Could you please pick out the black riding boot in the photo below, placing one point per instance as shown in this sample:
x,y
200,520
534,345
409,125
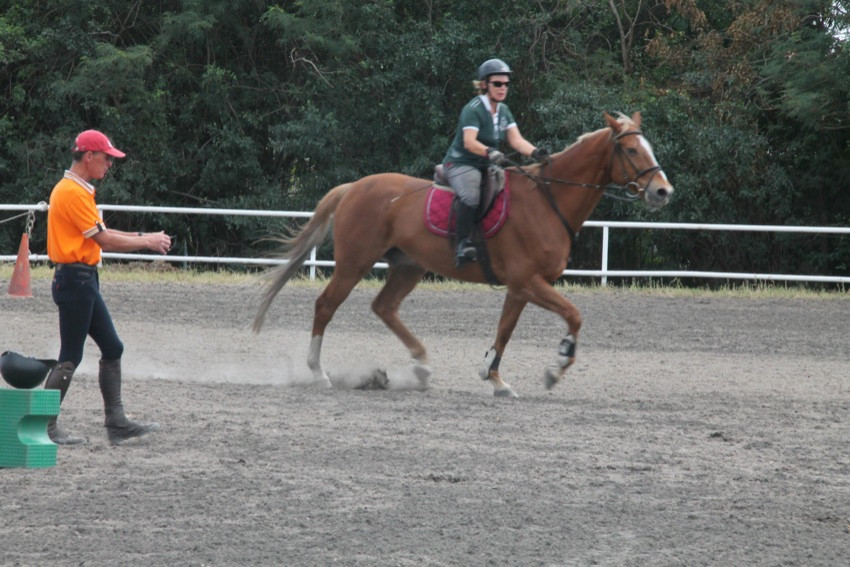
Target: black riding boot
x,y
463,226
60,379
118,427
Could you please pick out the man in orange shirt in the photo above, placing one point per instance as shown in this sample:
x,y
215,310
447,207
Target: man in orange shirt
x,y
75,237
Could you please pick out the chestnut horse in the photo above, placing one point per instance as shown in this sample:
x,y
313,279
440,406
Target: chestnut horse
x,y
381,216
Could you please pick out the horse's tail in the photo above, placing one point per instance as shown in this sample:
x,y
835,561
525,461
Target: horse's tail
x,y
300,245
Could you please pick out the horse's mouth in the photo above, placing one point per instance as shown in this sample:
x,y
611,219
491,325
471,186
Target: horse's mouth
x,y
657,198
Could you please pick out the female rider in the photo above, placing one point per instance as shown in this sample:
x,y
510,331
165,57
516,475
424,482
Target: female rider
x,y
484,122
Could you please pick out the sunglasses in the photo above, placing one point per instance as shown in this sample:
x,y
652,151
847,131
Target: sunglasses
x,y
500,84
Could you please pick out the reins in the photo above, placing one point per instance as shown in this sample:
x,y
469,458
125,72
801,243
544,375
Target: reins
x,y
544,180
544,183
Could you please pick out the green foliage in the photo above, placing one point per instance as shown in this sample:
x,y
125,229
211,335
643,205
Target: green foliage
x,y
256,104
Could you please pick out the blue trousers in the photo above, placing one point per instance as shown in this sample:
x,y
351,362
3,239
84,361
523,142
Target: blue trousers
x,y
82,313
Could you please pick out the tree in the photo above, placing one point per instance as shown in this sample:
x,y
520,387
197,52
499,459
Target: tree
x,y
255,104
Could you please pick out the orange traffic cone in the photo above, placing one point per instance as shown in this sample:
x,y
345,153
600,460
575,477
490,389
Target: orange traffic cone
x,y
20,286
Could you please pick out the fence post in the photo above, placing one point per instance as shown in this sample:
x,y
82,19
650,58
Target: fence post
x,y
605,230
313,264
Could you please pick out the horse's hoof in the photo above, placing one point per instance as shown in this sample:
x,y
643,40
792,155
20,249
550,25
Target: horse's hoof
x,y
551,377
422,372
505,393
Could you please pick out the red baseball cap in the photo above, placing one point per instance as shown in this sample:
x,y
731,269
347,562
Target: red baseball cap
x,y
94,141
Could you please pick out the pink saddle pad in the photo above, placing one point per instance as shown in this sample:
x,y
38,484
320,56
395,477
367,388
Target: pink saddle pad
x,y
438,207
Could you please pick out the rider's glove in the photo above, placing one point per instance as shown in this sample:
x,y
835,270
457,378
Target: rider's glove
x,y
495,156
540,154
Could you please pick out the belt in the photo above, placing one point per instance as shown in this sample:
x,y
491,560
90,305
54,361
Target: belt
x,y
76,266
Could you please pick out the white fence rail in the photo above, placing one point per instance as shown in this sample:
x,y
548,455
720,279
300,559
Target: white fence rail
x,y
603,273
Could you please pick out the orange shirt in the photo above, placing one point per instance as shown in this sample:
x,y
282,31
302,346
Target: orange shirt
x,y
72,220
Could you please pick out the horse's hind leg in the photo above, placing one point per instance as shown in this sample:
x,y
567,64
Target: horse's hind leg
x,y
340,286
401,279
511,310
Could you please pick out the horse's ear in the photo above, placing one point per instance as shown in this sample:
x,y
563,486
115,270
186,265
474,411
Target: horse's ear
x,y
612,122
636,119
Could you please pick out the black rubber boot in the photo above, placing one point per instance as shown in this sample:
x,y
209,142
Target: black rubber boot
x,y
60,379
118,427
465,250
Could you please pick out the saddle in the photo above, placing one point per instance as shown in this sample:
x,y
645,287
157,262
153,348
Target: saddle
x,y
492,210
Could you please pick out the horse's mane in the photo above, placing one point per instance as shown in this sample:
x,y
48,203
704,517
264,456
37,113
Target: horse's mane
x,y
584,137
621,118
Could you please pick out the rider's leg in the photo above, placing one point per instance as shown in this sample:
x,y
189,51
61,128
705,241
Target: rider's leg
x,y
463,227
466,182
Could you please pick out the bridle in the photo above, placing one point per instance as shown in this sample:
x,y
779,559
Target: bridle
x,y
632,188
623,156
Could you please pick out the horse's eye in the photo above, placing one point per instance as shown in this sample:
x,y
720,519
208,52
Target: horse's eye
x,y
632,151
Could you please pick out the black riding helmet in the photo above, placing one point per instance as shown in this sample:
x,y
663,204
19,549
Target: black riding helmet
x,y
22,371
493,67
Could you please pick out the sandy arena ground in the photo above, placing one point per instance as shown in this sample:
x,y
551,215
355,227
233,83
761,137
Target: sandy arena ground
x,y
691,431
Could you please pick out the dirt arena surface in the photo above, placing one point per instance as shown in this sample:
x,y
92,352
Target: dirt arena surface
x,y
691,431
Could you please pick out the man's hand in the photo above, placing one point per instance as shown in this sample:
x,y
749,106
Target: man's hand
x,y
158,242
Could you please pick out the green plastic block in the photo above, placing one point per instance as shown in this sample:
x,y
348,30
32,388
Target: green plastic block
x,y
23,428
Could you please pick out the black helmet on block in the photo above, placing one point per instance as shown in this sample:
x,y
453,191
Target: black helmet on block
x,y
22,371
493,67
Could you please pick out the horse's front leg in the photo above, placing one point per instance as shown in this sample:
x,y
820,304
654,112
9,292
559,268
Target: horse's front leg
x,y
541,292
511,310
563,360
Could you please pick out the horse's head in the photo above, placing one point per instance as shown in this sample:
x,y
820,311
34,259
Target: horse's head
x,y
633,164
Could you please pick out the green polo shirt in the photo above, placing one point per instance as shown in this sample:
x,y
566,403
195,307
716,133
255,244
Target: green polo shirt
x,y
492,128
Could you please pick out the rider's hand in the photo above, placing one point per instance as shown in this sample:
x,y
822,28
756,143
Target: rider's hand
x,y
495,156
540,154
